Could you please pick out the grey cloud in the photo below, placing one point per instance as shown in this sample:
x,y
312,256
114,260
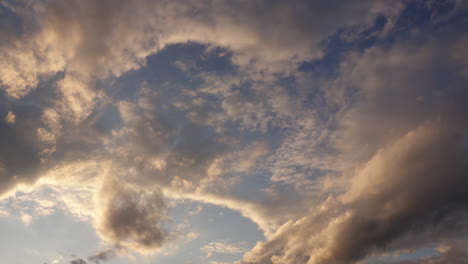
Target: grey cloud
x,y
103,256
38,139
20,152
403,137
131,217
78,261
97,39
415,78
417,183
412,185
95,27
162,149
88,40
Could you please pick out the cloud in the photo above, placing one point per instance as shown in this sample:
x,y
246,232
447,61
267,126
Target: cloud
x,y
48,196
10,118
410,185
451,253
117,37
105,255
18,72
223,247
78,261
191,236
131,217
403,174
78,98
20,153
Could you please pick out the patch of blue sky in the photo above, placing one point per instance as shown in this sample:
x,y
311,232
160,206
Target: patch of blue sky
x,y
173,69
418,15
251,186
210,223
404,256
107,118
218,223
337,46
10,22
54,237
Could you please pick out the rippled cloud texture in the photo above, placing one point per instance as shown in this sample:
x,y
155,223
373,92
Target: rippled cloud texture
x,y
339,128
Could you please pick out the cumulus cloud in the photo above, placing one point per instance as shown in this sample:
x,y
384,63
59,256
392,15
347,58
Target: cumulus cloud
x,y
131,217
406,186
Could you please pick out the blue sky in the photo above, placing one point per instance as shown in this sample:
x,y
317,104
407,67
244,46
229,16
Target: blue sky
x,y
240,132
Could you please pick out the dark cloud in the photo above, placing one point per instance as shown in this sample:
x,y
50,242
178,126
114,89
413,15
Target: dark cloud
x,y
132,217
78,261
103,256
20,151
412,185
416,184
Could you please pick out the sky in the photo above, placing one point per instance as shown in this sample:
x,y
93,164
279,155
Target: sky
x,y
233,132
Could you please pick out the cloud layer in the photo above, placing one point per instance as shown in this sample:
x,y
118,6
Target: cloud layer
x,y
339,128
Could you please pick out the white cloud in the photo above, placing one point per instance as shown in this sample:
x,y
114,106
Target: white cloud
x,y
10,118
223,247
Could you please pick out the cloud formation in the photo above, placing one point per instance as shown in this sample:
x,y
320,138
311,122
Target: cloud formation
x,y
78,261
131,217
411,185
339,128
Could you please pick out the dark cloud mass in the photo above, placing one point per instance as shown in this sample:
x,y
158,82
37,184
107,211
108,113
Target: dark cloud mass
x,y
78,261
103,256
131,217
20,151
339,128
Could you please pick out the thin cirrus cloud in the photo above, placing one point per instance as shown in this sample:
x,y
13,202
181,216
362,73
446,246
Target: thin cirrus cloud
x,y
338,128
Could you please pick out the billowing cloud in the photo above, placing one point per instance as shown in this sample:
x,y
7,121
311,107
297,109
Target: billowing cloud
x,y
131,217
407,186
117,37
